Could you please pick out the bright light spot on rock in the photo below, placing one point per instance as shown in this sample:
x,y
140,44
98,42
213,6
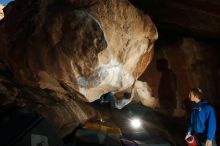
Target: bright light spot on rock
x,y
136,123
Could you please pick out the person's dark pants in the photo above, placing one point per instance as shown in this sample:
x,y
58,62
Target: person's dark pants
x,y
201,139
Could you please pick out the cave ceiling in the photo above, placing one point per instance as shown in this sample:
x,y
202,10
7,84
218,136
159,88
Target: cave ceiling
x,y
197,18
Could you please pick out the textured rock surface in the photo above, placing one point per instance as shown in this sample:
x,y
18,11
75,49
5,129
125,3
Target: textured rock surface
x,y
88,47
62,53
64,115
194,62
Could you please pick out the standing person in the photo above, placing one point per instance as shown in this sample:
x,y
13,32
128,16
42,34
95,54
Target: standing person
x,y
202,122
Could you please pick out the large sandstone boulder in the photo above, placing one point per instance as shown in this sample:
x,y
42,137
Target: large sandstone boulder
x,y
62,53
86,47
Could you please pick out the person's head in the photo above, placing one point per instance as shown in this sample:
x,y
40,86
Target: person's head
x,y
196,94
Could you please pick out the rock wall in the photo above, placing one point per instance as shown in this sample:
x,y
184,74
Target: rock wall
x,y
89,47
194,62
56,54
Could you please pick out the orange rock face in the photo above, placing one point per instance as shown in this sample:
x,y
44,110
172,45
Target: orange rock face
x,y
84,47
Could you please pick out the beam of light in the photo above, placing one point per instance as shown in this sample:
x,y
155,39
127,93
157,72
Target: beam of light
x,y
135,123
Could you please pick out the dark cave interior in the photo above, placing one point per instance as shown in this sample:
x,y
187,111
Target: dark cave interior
x,y
186,54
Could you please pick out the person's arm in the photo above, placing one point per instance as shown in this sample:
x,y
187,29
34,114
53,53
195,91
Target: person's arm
x,y
211,120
